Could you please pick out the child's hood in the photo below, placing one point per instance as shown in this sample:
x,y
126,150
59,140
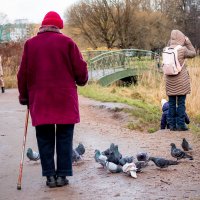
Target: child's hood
x,y
165,106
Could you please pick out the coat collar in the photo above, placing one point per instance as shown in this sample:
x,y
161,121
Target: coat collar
x,y
46,28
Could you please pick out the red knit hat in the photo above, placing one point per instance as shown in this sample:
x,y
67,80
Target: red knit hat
x,y
53,18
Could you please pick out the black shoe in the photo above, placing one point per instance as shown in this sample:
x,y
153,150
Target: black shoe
x,y
51,181
61,181
182,129
3,89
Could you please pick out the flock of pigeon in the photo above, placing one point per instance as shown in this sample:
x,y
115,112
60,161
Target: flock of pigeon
x,y
113,161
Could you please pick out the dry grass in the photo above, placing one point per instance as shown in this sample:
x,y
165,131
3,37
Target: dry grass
x,y
152,87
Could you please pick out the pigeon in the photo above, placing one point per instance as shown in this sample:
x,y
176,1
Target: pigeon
x,y
80,149
130,169
115,150
125,160
114,154
75,156
162,163
142,156
100,158
185,145
112,158
106,152
178,153
140,165
78,152
32,155
113,168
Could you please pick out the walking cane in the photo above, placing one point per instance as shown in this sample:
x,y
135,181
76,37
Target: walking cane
x,y
19,183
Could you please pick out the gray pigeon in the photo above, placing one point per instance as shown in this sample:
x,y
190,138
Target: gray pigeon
x,y
178,153
32,155
114,154
185,145
115,150
75,156
78,152
100,158
112,167
125,160
140,165
142,156
108,151
80,149
163,163
112,158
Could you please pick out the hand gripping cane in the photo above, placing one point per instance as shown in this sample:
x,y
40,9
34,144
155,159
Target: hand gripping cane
x,y
19,183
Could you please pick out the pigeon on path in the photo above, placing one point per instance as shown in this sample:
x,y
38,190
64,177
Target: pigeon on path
x,y
125,160
32,155
142,156
178,153
113,154
113,168
100,158
78,152
162,163
185,145
80,149
109,150
140,165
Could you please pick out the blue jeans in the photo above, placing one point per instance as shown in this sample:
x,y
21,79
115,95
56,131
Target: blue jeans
x,y
47,136
176,117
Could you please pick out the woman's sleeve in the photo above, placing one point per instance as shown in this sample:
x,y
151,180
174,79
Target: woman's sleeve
x,y
79,65
190,50
22,78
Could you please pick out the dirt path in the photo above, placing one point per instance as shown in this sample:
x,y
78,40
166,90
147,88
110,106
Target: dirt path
x,y
98,128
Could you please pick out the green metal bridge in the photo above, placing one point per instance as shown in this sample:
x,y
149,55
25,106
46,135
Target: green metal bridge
x,y
107,67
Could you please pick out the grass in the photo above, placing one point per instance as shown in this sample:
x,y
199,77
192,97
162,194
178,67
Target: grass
x,y
10,81
147,115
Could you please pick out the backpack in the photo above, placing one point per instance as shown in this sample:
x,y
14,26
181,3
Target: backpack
x,y
170,63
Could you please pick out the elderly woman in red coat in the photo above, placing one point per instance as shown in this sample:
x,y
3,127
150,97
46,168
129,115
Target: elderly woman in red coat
x,y
51,68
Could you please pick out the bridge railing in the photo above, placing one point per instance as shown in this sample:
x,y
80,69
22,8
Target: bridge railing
x,y
108,62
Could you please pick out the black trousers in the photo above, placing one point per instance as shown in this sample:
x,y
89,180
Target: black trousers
x,y
61,135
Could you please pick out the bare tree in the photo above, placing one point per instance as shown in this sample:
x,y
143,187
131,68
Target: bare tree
x,y
132,23
92,18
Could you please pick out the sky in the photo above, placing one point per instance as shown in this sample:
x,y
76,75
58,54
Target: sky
x,y
33,10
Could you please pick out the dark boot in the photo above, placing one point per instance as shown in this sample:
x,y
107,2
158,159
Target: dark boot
x,y
51,181
172,128
185,128
3,89
61,181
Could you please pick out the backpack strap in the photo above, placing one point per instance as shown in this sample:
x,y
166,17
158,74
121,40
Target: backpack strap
x,y
177,48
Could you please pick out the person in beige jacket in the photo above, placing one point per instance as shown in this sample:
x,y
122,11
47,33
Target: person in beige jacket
x,y
178,86
1,78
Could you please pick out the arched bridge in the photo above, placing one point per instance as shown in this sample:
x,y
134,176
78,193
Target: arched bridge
x,y
106,67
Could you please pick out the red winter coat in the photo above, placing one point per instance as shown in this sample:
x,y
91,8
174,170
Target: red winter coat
x,y
51,67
